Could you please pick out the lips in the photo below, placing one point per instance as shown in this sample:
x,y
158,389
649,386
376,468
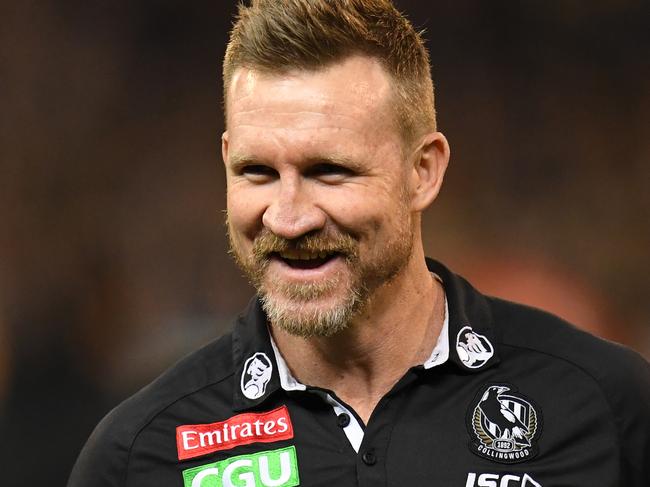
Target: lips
x,y
304,259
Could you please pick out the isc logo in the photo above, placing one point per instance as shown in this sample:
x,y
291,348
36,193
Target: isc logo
x,y
498,480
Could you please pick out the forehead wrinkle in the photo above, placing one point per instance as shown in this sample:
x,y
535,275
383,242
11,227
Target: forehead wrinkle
x,y
300,138
328,109
357,121
280,126
254,111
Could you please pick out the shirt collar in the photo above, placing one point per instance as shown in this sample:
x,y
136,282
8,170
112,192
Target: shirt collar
x,y
440,353
253,382
473,344
467,341
287,381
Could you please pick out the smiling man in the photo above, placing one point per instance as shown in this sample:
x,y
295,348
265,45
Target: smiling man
x,y
317,183
324,202
361,362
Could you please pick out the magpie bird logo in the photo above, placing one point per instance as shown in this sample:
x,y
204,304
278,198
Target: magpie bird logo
x,y
473,349
256,375
504,425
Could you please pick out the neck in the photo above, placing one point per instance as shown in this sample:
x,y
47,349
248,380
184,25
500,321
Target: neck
x,y
397,330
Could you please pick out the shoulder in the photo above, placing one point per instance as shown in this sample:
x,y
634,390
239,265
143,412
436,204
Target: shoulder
x,y
538,332
105,457
599,375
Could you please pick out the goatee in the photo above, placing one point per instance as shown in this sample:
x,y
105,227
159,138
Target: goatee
x,y
287,305
326,307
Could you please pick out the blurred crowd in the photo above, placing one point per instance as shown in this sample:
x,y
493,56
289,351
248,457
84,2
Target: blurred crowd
x,y
113,259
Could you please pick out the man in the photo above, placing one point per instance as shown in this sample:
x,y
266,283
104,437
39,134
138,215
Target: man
x,y
360,362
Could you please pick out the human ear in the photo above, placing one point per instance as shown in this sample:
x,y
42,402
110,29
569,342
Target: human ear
x,y
429,166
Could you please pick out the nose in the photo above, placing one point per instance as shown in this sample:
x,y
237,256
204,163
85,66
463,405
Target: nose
x,y
293,212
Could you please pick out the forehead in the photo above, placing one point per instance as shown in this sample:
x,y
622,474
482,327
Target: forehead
x,y
351,95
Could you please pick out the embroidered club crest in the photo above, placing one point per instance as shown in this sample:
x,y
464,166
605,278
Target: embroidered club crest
x,y
256,375
474,350
503,425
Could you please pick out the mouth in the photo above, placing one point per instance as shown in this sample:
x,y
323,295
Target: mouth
x,y
305,259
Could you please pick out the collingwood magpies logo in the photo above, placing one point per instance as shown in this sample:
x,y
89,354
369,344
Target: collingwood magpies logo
x,y
256,375
503,425
474,350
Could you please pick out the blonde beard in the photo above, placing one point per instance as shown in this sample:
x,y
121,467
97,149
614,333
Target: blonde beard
x,y
288,305
297,313
294,307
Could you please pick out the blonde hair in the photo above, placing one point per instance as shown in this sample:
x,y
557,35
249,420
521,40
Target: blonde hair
x,y
275,36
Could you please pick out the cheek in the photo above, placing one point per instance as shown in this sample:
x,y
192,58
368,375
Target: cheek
x,y
363,214
244,212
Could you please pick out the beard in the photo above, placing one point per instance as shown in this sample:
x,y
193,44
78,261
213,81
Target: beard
x,y
299,308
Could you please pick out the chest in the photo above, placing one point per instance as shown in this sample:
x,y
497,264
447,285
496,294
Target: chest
x,y
491,430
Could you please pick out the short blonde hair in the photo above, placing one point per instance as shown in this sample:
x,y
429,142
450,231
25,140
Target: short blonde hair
x,y
275,36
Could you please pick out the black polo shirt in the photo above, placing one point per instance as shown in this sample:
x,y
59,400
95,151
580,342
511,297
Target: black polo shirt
x,y
523,399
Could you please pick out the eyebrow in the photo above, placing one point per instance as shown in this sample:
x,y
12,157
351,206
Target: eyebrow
x,y
336,160
236,161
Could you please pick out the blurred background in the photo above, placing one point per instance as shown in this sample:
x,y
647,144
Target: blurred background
x,y
113,258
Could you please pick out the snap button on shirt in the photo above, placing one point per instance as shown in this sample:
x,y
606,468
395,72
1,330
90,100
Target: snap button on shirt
x,y
369,457
343,420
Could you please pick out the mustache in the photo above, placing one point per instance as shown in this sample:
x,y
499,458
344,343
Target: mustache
x,y
267,243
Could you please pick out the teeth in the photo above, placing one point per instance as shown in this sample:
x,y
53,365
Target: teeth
x,y
302,255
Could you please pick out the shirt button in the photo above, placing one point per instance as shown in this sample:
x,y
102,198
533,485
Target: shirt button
x,y
369,457
343,420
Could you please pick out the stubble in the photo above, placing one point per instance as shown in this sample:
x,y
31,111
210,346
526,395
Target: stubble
x,y
299,308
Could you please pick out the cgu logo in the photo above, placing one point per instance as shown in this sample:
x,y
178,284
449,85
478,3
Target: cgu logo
x,y
273,468
496,480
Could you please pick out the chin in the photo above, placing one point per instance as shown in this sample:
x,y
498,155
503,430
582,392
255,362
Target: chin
x,y
311,318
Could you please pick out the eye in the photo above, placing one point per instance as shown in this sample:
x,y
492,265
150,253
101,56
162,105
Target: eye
x,y
258,173
329,172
